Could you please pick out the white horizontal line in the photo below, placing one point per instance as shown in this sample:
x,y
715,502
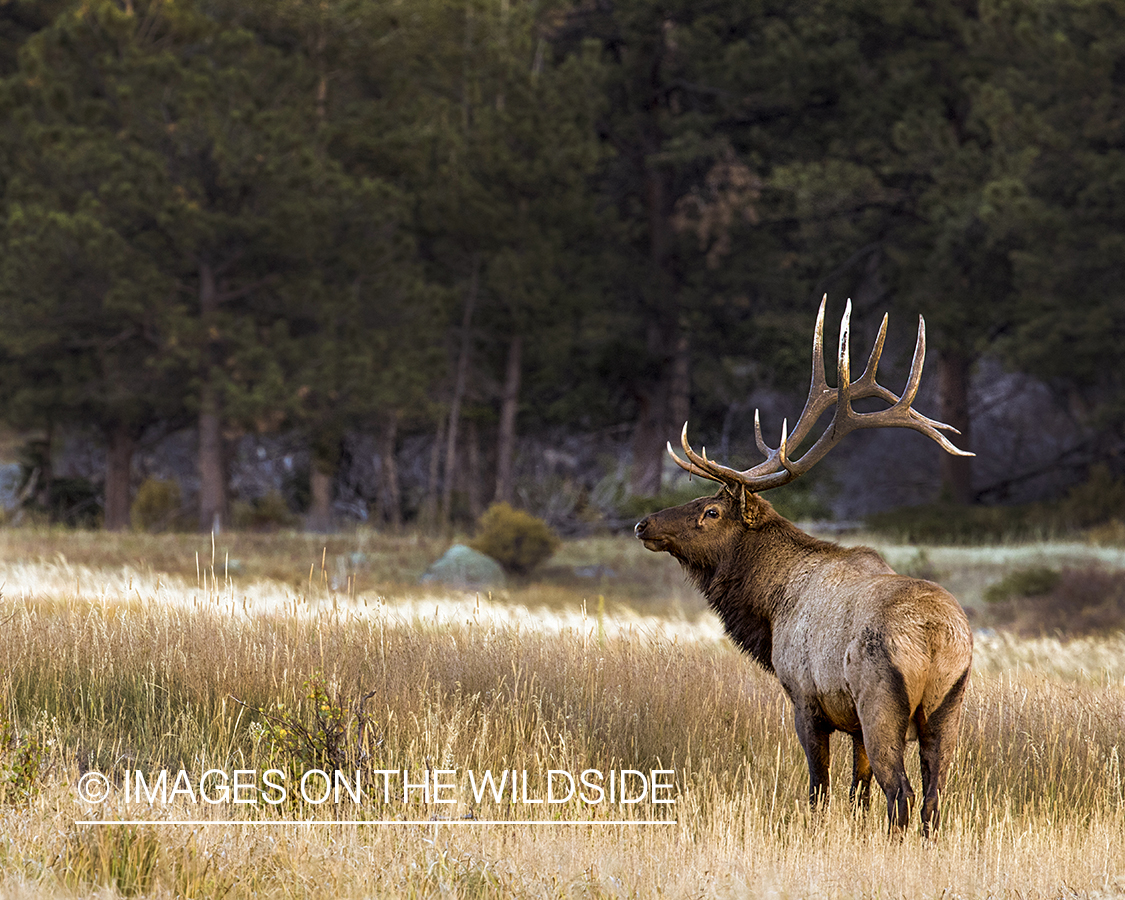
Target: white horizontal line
x,y
194,822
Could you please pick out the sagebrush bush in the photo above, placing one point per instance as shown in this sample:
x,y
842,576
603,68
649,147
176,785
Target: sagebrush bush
x,y
156,506
517,540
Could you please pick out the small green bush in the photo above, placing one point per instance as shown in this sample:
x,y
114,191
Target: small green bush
x,y
1033,582
1096,501
1071,602
21,760
156,506
324,731
267,513
515,539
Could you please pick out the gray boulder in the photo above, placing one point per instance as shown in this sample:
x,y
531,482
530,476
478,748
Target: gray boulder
x,y
464,567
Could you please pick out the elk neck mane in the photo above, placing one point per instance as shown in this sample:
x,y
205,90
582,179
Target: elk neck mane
x,y
750,585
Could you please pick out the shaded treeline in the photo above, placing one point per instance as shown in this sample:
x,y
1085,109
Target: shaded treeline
x,y
484,218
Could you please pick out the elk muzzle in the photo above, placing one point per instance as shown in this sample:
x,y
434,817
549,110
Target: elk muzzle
x,y
644,531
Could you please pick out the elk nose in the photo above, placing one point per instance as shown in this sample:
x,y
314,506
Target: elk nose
x,y
639,528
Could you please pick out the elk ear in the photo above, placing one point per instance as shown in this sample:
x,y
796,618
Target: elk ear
x,y
747,508
750,507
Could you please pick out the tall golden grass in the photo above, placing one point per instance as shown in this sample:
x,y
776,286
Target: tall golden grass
x,y
122,669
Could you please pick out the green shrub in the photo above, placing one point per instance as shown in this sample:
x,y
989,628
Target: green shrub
x,y
21,759
951,523
1033,582
1096,501
515,539
156,506
1071,602
266,513
324,731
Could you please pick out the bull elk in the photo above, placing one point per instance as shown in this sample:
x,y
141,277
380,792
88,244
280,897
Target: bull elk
x,y
858,648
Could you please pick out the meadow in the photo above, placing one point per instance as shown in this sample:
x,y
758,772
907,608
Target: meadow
x,y
122,654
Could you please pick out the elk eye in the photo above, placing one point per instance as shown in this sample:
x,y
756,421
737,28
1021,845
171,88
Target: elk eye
x,y
711,513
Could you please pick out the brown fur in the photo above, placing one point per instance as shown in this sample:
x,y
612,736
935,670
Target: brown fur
x,y
857,648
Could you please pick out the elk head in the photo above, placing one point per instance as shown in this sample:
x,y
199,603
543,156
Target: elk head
x,y
699,533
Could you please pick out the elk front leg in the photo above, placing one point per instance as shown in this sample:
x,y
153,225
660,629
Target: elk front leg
x,y
814,740
860,794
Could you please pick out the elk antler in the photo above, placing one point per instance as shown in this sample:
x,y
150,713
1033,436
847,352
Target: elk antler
x,y
778,468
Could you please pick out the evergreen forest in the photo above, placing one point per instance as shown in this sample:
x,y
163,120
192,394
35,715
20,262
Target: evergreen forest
x,y
450,252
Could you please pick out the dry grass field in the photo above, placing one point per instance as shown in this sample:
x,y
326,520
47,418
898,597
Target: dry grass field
x,y
121,655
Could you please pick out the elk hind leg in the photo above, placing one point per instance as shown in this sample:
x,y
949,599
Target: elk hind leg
x,y
937,738
884,712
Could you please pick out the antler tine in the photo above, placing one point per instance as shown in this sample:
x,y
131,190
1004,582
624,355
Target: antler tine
x,y
915,379
701,465
691,467
821,396
865,385
758,439
783,448
778,468
844,363
818,377
701,462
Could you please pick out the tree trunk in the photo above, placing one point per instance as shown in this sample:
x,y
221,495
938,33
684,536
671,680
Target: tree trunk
x,y
459,393
212,469
654,426
679,399
474,490
649,435
320,503
663,388
428,514
391,494
119,464
506,432
40,489
212,472
954,372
